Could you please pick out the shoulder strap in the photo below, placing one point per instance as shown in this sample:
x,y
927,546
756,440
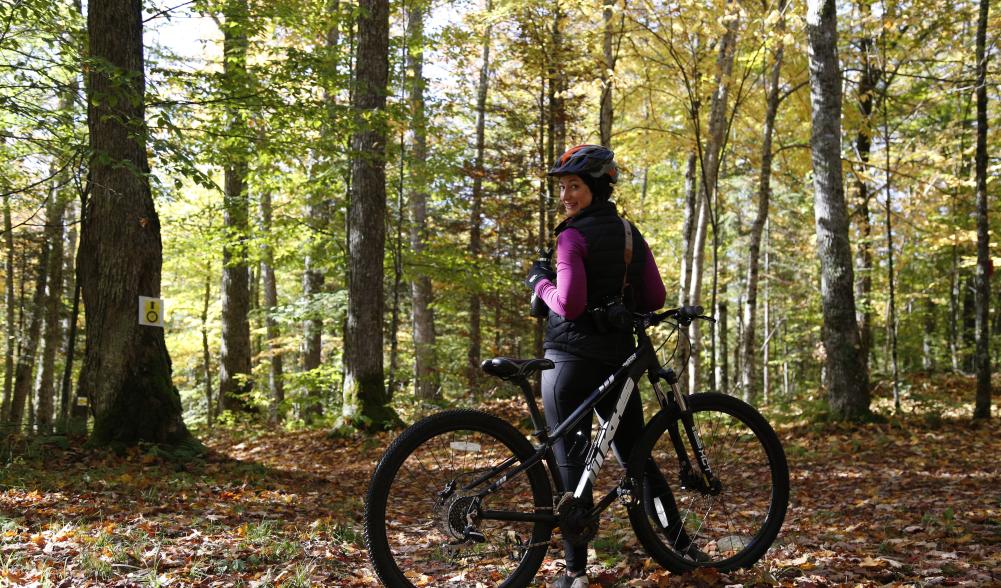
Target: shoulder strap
x,y
628,254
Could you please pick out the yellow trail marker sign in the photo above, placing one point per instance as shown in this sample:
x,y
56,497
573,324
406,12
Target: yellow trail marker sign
x,y
151,311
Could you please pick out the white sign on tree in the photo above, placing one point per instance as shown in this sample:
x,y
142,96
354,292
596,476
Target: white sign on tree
x,y
151,311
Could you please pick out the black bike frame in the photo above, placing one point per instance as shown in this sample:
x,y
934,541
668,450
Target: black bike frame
x,y
643,360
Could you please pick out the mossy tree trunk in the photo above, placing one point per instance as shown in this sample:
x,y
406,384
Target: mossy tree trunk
x,y
366,399
126,370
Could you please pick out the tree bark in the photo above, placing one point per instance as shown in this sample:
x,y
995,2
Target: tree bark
x,y
126,370
425,376
366,399
982,408
891,319
10,326
276,384
475,211
24,380
687,237
710,160
318,211
927,341
722,375
748,343
848,385
234,365
206,354
869,78
607,76
53,335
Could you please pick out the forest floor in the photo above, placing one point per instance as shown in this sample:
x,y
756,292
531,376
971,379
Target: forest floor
x,y
913,501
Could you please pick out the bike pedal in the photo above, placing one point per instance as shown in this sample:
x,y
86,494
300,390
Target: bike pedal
x,y
471,533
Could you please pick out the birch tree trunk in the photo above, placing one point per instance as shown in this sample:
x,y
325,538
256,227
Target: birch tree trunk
x,y
475,210
848,385
982,409
710,159
748,343
691,207
366,399
126,369
234,364
425,377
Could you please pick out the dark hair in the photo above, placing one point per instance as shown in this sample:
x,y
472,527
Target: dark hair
x,y
601,187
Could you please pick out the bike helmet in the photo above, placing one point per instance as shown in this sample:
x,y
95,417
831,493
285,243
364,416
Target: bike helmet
x,y
594,161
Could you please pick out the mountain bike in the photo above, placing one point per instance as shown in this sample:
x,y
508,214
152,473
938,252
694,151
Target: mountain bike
x,y
462,498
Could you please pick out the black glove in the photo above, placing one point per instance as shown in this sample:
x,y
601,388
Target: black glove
x,y
539,270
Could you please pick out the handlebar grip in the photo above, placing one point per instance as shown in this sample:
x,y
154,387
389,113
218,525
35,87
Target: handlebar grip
x,y
691,311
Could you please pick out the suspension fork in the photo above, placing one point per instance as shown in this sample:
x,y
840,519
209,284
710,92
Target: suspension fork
x,y
703,479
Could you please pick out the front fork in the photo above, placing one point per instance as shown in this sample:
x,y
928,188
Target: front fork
x,y
703,480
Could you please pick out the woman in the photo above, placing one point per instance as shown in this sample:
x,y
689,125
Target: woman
x,y
591,271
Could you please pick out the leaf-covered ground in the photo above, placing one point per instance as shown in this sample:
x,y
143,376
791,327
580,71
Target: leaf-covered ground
x,y
914,501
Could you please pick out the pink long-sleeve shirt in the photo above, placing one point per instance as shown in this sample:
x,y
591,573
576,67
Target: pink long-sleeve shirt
x,y
568,297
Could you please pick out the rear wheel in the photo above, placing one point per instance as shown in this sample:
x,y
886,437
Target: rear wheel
x,y
685,523
424,524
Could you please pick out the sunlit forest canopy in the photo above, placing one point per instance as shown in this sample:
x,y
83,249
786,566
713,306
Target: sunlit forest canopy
x,y
252,129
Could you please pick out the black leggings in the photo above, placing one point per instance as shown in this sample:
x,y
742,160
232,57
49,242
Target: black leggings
x,y
563,389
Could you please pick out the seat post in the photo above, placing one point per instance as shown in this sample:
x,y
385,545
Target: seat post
x,y
533,408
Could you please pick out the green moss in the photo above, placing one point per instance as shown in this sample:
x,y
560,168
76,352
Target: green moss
x,y
146,408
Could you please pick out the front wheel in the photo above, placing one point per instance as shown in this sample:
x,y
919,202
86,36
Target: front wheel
x,y
684,521
426,526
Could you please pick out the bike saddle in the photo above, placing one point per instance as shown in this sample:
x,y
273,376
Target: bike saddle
x,y
506,368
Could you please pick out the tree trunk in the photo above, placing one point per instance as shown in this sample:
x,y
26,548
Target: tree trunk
x,y
425,376
607,83
982,409
691,207
748,355
53,337
868,79
234,365
276,384
206,355
720,345
366,400
318,214
954,292
24,379
891,319
927,341
848,386
969,321
72,414
10,326
710,160
126,369
475,211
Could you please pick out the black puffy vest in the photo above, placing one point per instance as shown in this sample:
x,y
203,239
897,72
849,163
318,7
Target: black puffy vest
x,y
605,236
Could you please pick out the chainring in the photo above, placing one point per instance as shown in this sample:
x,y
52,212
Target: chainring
x,y
576,526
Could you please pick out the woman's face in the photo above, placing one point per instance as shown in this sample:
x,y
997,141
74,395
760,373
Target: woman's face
x,y
574,194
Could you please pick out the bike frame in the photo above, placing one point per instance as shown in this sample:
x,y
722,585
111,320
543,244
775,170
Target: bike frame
x,y
643,360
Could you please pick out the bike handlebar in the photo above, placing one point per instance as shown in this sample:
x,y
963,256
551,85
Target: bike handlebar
x,y
684,315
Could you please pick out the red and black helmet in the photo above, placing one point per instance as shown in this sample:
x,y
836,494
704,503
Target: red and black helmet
x,y
592,160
